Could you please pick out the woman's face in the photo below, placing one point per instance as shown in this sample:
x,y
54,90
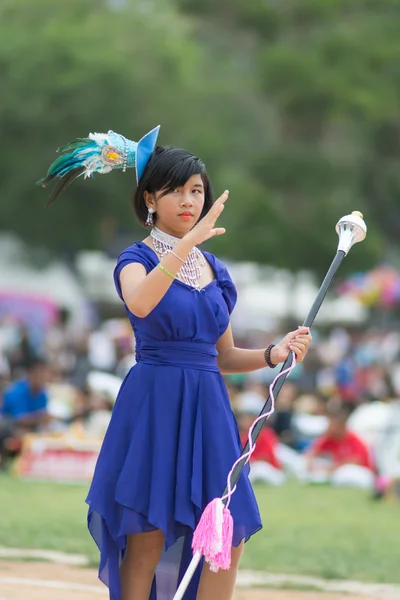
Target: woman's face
x,y
179,210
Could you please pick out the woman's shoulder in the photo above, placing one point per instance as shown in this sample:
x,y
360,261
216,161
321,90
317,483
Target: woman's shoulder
x,y
224,280
138,250
137,246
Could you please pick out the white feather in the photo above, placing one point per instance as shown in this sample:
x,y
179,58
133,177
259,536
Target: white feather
x,y
95,165
99,138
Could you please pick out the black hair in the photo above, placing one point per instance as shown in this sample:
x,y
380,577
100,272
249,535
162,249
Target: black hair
x,y
32,362
167,169
340,412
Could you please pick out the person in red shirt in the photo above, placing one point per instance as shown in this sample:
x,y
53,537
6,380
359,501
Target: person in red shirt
x,y
264,463
339,455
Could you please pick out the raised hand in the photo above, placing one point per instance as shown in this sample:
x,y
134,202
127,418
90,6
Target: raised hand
x,y
295,341
205,228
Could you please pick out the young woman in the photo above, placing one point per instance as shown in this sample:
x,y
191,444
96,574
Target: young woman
x,y
172,438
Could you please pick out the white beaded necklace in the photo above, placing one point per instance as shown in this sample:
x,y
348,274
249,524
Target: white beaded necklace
x,y
189,272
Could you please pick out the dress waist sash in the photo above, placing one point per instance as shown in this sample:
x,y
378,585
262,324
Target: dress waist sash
x,y
189,355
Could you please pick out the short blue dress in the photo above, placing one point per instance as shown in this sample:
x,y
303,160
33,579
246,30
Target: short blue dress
x,y
173,438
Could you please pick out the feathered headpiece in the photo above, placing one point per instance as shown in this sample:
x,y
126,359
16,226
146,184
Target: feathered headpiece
x,y
99,153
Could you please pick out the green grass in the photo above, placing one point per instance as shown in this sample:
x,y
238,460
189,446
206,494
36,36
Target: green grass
x,y
318,531
325,532
45,516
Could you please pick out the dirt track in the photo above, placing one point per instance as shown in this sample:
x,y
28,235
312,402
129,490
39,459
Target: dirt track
x,y
46,581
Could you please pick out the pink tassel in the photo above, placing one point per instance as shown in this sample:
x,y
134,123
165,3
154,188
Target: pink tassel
x,y
223,559
207,537
213,535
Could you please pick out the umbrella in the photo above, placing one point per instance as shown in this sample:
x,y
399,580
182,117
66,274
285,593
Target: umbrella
x,y
380,286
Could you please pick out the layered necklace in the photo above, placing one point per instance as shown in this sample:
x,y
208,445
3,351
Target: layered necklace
x,y
190,271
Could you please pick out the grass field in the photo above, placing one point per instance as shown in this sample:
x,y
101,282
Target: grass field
x,y
329,533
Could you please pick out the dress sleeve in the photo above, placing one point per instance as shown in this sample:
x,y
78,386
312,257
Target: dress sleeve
x,y
226,284
133,254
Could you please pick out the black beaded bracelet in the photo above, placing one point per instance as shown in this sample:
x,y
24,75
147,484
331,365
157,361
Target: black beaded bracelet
x,y
267,356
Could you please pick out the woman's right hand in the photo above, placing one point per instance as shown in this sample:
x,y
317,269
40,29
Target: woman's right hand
x,y
204,229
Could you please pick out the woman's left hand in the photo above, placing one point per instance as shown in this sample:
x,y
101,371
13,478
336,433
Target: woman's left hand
x,y
296,341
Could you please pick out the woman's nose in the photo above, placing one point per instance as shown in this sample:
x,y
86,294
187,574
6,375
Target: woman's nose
x,y
186,199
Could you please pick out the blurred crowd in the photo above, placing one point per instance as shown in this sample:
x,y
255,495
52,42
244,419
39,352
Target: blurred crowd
x,y
337,419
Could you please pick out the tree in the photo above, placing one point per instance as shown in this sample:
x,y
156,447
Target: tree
x,y
293,105
69,68
328,77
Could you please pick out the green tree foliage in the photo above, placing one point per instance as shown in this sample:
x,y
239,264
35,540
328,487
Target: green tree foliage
x,y
68,68
329,78
293,105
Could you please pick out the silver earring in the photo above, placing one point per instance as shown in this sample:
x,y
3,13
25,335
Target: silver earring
x,y
150,220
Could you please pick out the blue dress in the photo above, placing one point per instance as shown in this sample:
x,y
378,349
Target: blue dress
x,y
173,438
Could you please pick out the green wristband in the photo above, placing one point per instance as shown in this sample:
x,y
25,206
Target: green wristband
x,y
166,271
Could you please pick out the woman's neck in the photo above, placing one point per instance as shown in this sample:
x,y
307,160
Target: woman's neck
x,y
175,236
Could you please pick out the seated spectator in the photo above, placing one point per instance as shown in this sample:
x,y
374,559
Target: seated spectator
x,y
282,419
25,401
22,352
309,420
264,463
23,409
340,456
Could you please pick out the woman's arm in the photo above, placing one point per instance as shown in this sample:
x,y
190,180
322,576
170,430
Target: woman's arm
x,y
239,360
142,292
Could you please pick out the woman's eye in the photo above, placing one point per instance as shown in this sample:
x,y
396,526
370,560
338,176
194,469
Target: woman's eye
x,y
196,191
